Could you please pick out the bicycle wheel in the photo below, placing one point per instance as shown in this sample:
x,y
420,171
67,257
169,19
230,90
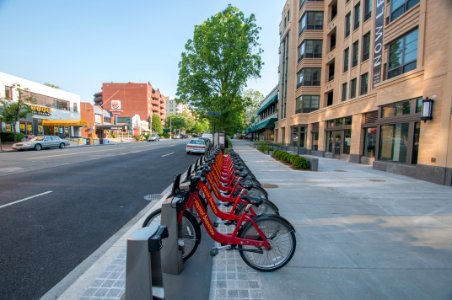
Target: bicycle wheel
x,y
281,236
267,207
189,234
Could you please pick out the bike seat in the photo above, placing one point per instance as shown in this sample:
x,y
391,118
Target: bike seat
x,y
254,200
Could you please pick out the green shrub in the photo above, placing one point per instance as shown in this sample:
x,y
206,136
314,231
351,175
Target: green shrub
x,y
300,163
9,136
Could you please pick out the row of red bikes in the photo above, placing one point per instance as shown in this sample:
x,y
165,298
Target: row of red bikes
x,y
223,188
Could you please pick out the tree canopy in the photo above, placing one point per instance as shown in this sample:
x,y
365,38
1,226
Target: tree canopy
x,y
157,124
216,64
12,111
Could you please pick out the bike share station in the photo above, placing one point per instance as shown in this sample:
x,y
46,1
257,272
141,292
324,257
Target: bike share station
x,y
154,256
265,240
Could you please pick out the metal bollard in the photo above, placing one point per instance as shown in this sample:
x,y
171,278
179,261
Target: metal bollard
x,y
144,278
172,252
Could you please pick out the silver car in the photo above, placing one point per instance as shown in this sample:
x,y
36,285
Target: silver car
x,y
196,146
42,142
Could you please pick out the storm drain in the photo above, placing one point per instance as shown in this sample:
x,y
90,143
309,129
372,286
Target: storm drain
x,y
152,197
269,186
377,180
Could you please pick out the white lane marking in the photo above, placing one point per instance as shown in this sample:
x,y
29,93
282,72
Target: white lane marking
x,y
168,154
25,199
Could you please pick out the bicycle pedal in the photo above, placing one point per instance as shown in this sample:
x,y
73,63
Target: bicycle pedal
x,y
215,224
213,252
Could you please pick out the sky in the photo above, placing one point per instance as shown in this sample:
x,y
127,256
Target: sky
x,y
79,44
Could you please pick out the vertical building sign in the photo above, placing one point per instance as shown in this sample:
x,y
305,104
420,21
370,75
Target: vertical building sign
x,y
378,41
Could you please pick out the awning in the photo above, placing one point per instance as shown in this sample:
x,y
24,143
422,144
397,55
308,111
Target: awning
x,y
77,123
267,105
268,123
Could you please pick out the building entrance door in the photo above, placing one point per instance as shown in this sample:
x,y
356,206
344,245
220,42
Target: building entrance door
x,y
337,143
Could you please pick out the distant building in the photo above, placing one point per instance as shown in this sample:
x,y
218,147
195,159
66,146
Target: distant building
x,y
128,99
55,112
266,116
171,106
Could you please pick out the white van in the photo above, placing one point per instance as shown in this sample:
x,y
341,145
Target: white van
x,y
208,135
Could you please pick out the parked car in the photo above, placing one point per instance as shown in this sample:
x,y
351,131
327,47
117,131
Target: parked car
x,y
154,137
42,142
177,136
196,146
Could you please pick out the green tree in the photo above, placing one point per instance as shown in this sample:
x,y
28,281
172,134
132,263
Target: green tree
x,y
175,122
12,111
157,124
223,54
253,100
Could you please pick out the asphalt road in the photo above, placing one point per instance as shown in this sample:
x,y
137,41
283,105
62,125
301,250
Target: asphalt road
x,y
82,197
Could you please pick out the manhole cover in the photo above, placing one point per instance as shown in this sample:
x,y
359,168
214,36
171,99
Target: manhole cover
x,y
340,171
152,197
269,186
377,180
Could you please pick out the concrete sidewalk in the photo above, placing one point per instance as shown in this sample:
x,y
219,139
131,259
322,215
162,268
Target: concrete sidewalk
x,y
361,234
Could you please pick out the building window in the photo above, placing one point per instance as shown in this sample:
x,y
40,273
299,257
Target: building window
x,y
329,98
403,54
356,16
367,9
308,77
364,84
397,109
346,58
294,136
8,93
355,48
310,49
394,142
333,10
347,24
311,20
370,141
307,103
347,141
331,67
353,88
399,7
366,46
315,137
75,107
344,91
332,39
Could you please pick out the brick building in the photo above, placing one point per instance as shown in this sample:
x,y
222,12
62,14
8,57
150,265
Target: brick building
x,y
356,77
136,98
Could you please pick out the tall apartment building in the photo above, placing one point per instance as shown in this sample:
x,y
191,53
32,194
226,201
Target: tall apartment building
x,y
135,98
357,80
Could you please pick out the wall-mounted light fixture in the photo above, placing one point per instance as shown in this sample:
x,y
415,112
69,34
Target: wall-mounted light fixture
x,y
427,108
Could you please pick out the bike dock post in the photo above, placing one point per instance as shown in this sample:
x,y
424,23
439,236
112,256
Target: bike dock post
x,y
144,278
172,252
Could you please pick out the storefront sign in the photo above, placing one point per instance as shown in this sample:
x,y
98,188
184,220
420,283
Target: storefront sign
x,y
115,105
378,41
41,110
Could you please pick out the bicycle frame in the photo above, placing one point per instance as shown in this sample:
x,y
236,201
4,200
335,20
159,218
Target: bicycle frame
x,y
226,239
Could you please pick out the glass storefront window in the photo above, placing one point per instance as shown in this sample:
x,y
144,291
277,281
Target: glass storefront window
x,y
329,141
417,133
347,141
370,142
394,142
302,136
397,109
294,136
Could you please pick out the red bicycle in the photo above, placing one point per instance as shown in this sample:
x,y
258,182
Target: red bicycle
x,y
265,242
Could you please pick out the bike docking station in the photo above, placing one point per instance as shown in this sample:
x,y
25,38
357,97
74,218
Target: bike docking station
x,y
144,278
